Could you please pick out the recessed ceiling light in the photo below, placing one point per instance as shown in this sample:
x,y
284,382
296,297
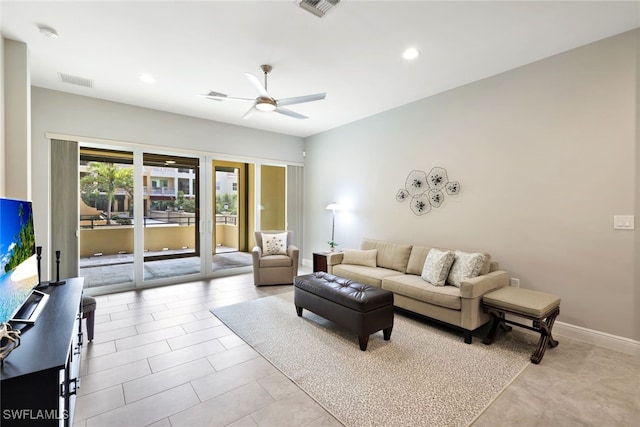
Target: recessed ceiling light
x,y
411,53
147,78
48,32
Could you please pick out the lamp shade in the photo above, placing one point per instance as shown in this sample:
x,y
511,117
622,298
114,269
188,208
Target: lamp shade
x,y
333,206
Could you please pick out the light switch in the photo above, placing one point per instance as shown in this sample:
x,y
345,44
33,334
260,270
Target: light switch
x,y
623,222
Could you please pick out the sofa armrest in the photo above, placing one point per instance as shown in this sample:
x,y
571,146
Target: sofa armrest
x,y
478,286
334,258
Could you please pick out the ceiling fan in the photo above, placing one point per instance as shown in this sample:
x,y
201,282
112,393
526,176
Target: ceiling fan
x,y
264,101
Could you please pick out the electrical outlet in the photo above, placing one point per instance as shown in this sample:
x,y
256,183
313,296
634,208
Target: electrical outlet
x,y
515,282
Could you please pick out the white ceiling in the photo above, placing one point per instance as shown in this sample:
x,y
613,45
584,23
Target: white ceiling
x,y
353,53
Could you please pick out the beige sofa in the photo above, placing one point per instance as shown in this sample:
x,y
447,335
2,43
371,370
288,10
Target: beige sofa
x,y
398,268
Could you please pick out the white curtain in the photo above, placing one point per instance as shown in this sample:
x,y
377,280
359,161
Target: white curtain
x,y
64,207
295,204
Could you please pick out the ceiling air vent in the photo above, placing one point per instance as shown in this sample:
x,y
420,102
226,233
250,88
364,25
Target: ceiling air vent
x,y
318,7
75,80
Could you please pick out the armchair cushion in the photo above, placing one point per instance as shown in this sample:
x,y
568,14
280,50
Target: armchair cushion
x,y
274,243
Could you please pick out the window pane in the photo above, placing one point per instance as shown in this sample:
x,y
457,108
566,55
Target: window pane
x,y
171,216
106,217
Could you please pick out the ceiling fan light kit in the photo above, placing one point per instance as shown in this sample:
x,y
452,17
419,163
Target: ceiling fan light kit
x,y
265,102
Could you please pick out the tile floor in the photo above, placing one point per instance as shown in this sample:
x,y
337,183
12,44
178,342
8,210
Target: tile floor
x,y
108,270
160,358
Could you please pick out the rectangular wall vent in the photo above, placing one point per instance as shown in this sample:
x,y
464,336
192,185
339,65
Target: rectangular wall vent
x,y
318,7
75,80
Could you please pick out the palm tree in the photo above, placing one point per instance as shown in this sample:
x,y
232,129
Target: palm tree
x,y
107,178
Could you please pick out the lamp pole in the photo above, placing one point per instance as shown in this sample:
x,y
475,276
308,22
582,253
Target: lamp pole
x,y
333,206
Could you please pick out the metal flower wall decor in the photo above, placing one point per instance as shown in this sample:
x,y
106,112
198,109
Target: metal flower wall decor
x,y
425,190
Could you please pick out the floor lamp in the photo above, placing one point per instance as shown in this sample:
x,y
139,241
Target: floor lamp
x,y
333,206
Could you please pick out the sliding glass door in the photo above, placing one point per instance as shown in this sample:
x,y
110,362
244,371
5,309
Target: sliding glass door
x,y
142,221
106,217
171,216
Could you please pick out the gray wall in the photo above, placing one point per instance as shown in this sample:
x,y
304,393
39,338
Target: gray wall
x,y
545,154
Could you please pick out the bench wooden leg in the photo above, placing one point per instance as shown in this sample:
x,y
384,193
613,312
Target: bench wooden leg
x,y
496,320
299,311
546,339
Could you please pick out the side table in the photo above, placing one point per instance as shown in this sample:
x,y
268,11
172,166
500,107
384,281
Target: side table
x,y
320,261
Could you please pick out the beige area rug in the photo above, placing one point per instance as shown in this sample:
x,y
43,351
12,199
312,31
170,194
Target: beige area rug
x,y
423,376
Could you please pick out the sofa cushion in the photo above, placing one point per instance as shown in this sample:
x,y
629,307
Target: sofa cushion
x,y
371,276
394,256
465,266
416,259
360,257
414,287
436,266
274,243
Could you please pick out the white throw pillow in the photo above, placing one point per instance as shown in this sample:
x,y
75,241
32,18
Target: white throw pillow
x,y
274,243
360,257
436,266
465,266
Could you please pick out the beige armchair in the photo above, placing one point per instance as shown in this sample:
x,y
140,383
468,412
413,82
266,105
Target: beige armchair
x,y
275,260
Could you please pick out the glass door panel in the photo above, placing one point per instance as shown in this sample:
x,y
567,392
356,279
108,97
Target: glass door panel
x,y
229,236
106,217
171,216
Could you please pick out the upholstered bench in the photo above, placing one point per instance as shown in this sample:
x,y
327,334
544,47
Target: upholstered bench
x,y
359,308
540,307
89,312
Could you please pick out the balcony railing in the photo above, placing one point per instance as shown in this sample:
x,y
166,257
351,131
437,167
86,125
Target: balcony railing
x,y
227,219
156,218
163,191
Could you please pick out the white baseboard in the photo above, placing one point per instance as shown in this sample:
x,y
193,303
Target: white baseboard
x,y
602,339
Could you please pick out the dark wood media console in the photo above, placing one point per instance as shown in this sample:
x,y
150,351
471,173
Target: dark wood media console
x,y
39,379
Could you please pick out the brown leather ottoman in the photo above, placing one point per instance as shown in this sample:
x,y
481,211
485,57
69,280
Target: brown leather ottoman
x,y
359,308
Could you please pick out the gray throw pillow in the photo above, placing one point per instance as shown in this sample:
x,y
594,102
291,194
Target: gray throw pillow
x,y
436,266
465,266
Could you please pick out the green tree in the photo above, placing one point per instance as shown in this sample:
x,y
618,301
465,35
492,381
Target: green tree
x,y
231,202
25,244
107,178
179,202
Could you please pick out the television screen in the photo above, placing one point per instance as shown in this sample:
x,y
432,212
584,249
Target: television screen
x,y
18,259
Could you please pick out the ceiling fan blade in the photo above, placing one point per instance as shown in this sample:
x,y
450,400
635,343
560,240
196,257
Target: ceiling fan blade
x,y
290,113
301,99
257,84
216,96
250,112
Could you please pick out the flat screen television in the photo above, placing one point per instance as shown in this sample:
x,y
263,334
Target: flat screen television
x,y
18,261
